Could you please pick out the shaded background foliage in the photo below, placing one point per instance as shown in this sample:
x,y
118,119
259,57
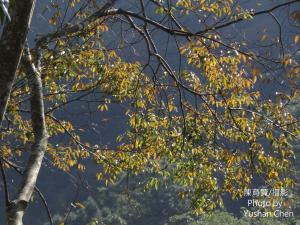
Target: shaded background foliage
x,y
118,205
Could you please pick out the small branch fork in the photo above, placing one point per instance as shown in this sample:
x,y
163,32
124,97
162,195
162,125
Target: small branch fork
x,y
36,189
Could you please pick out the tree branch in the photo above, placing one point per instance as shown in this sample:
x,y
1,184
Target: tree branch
x,y
18,206
108,11
4,184
104,11
267,11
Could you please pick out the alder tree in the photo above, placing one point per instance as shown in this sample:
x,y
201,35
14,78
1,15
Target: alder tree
x,y
206,93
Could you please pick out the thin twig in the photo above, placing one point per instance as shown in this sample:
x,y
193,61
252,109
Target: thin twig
x,y
4,184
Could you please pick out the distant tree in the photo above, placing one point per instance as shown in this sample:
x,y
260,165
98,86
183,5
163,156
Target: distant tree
x,y
207,121
116,205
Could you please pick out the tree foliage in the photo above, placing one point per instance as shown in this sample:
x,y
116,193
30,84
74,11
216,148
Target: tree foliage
x,y
207,122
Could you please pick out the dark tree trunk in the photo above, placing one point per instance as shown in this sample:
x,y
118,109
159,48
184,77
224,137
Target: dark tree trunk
x,y
11,48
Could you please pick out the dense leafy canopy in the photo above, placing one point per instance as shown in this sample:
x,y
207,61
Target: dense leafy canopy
x,y
209,125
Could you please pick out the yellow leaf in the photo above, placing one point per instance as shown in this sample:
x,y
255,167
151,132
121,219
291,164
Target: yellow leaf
x,y
264,37
255,72
296,39
79,205
273,174
103,107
